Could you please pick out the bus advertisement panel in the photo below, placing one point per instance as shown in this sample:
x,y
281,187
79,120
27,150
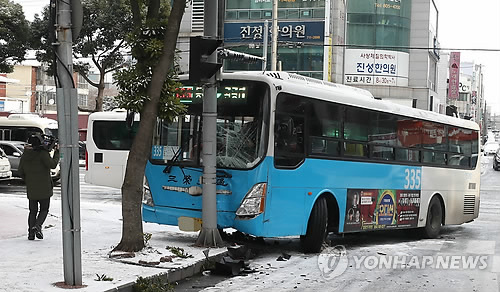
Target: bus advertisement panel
x,y
381,209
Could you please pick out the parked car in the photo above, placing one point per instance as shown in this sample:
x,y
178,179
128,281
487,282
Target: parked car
x,y
491,148
496,160
14,150
5,172
81,150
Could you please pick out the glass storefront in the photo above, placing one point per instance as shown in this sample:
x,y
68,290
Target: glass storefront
x,y
384,24
262,9
307,61
300,40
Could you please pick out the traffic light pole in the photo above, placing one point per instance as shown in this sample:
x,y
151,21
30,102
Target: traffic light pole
x,y
209,235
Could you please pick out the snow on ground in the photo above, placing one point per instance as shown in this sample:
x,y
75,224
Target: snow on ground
x,y
37,265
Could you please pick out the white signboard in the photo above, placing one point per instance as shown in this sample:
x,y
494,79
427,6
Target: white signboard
x,y
465,84
376,67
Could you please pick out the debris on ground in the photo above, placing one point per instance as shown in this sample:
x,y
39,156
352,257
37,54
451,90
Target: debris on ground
x,y
234,263
283,257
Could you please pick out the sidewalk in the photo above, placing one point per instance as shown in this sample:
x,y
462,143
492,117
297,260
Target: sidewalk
x,y
37,265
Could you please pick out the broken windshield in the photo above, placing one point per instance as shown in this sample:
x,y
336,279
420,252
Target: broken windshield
x,y
241,127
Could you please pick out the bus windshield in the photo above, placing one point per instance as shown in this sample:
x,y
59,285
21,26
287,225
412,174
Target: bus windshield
x,y
52,132
241,127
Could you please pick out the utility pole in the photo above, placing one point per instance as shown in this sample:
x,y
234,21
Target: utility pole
x,y
67,112
209,235
274,41
266,43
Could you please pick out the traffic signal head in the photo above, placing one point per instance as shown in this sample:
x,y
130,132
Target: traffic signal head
x,y
200,69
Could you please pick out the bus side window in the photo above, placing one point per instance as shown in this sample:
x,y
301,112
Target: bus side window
x,y
355,149
289,140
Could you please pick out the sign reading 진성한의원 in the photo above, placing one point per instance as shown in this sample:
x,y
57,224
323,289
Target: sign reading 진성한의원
x,y
376,67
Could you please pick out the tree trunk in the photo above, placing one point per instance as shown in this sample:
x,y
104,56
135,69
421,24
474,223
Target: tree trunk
x,y
100,92
132,232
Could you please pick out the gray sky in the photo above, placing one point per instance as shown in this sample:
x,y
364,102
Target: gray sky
x,y
474,24
31,7
463,24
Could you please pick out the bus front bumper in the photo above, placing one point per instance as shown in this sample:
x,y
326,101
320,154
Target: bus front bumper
x,y
255,226
170,216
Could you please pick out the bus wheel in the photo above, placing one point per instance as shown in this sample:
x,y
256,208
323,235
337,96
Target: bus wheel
x,y
316,228
434,219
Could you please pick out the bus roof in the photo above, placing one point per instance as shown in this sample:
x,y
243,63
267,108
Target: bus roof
x,y
343,94
28,120
111,115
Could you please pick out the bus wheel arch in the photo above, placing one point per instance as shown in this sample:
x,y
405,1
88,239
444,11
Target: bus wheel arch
x,y
333,212
317,225
435,217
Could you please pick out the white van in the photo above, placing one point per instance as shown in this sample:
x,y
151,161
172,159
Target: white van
x,y
5,172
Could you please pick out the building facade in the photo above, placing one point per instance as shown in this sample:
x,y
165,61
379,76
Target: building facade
x,y
363,43
20,93
32,90
402,67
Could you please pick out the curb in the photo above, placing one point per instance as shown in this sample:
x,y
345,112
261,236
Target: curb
x,y
173,275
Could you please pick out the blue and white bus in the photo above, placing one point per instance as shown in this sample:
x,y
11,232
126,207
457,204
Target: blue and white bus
x,y
302,157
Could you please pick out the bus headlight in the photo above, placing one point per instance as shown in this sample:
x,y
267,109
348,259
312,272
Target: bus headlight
x,y
147,197
253,203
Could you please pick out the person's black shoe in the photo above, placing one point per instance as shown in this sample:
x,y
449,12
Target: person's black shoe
x,y
38,232
31,236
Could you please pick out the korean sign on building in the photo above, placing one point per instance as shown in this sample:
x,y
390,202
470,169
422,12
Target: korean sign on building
x,y
292,31
454,79
376,67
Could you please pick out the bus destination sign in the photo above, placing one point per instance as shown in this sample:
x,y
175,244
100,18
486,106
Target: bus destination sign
x,y
194,94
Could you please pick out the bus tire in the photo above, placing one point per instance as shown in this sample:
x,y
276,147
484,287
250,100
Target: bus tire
x,y
316,232
434,219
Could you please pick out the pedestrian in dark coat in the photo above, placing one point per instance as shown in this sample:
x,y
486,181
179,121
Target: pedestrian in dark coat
x,y
34,168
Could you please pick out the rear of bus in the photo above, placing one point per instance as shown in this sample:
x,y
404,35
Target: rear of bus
x,y
19,127
108,143
173,190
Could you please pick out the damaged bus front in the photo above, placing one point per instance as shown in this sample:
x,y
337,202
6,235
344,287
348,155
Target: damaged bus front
x,y
173,186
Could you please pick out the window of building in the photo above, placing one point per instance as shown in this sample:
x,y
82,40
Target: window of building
x,y
243,14
82,100
255,14
82,83
304,60
292,14
463,96
231,15
372,24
